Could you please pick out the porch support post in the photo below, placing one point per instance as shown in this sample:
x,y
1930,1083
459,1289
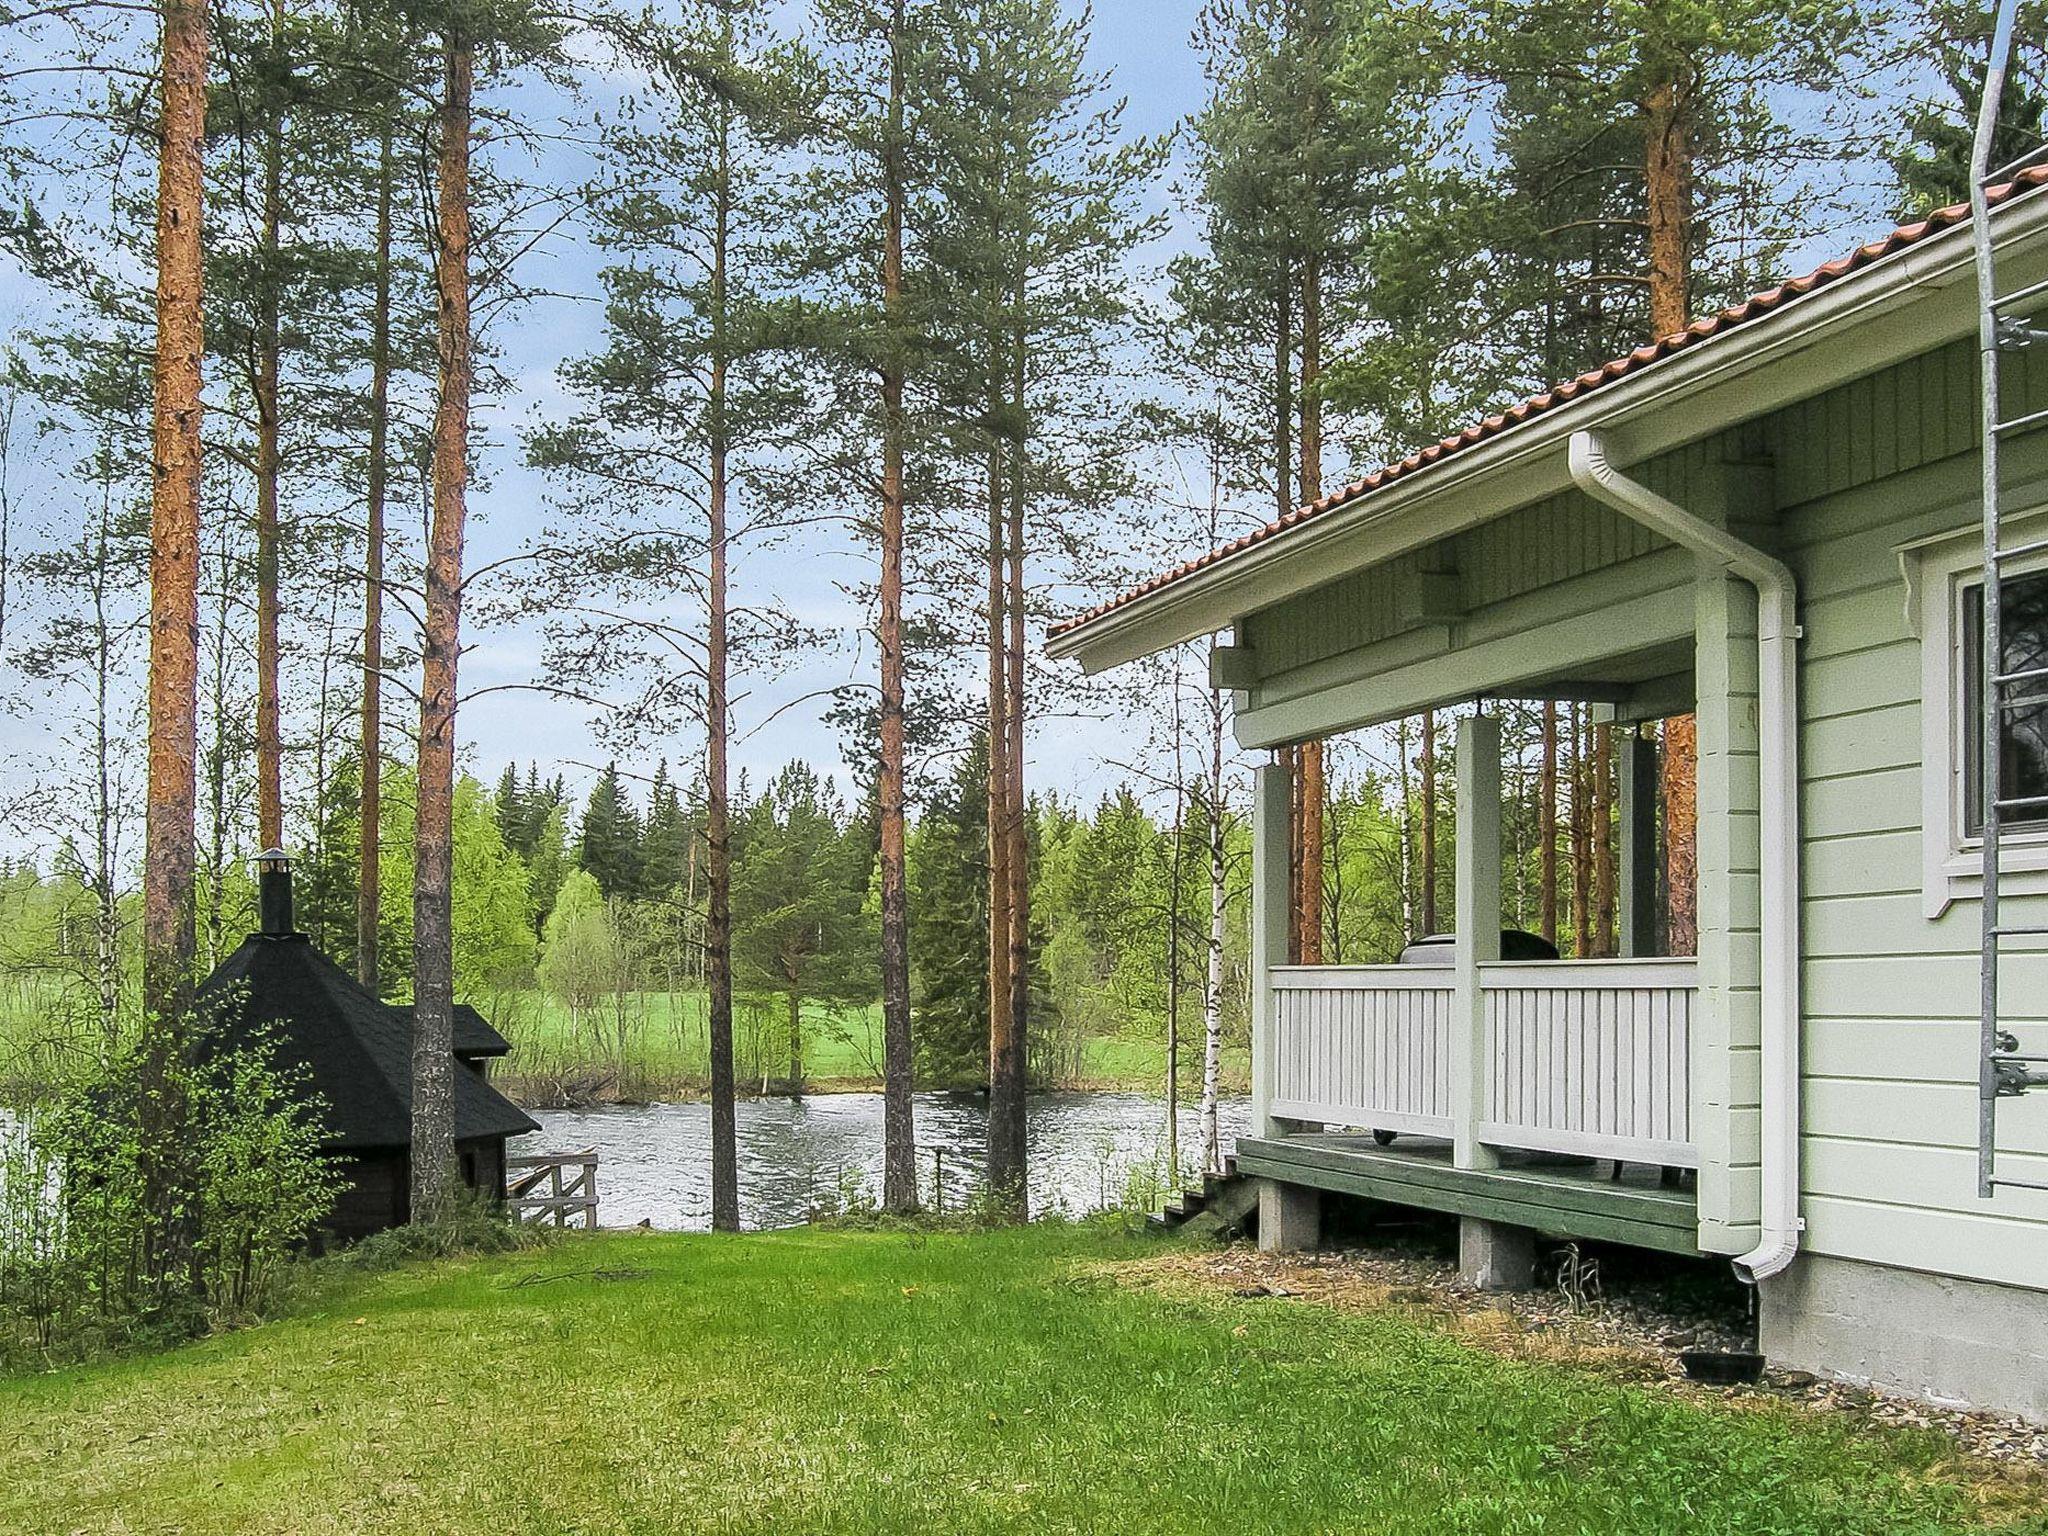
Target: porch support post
x,y
1270,882
1478,931
1638,883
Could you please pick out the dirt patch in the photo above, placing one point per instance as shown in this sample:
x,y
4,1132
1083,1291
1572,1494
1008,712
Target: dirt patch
x,y
1636,1337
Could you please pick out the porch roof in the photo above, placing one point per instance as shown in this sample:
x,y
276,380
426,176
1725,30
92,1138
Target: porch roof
x,y
1208,593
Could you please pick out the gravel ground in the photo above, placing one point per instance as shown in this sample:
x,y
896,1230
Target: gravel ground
x,y
1630,1322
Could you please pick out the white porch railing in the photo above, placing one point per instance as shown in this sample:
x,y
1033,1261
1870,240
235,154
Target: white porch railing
x,y
1589,1056
1363,1045
1592,1057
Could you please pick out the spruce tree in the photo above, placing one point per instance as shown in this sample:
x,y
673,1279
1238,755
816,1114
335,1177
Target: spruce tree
x,y
665,841
1933,166
949,946
608,840
798,896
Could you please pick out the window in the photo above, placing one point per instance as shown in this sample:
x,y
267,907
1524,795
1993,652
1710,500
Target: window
x,y
2023,735
1945,605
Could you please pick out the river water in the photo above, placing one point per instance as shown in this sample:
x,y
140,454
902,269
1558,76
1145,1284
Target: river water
x,y
654,1160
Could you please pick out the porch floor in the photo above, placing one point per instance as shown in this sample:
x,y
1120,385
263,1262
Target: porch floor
x,y
1561,1196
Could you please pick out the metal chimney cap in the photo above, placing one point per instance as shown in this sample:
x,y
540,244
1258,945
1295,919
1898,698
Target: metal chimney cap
x,y
273,858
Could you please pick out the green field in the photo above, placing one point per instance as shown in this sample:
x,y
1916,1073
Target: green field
x,y
816,1381
655,1046
650,1045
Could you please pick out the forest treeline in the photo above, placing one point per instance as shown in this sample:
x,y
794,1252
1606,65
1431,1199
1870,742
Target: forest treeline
x,y
889,280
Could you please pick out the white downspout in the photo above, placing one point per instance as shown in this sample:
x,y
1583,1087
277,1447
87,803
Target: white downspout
x,y
1778,822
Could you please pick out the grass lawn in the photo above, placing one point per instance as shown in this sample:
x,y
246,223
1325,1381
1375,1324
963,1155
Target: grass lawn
x,y
817,1381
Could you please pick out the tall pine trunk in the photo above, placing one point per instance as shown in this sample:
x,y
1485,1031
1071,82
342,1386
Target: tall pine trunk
x,y
169,852
725,1166
1003,1173
1314,788
899,1133
370,810
1010,1120
1546,826
433,1061
1427,856
269,468
1667,181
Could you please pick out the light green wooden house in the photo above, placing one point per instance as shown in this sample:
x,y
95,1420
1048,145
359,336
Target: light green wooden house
x,y
1771,519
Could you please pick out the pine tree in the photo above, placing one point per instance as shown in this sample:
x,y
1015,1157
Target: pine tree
x,y
872,52
1292,143
692,384
511,36
1034,209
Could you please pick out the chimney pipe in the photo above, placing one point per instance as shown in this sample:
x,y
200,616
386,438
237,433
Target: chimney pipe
x,y
274,893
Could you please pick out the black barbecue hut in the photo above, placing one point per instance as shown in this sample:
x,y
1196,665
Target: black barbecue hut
x,y
356,1053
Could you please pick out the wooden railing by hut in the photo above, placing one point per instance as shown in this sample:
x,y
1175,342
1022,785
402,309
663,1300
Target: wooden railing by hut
x,y
557,1186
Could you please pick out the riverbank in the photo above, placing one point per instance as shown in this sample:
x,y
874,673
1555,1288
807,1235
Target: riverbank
x,y
842,1381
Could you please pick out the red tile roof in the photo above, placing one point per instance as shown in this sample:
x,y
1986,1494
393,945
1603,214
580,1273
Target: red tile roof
x,y
1752,308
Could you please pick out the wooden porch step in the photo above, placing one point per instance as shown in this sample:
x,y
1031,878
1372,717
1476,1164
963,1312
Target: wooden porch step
x,y
1228,1196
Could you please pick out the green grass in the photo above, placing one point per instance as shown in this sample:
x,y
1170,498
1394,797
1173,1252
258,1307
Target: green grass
x,y
819,1381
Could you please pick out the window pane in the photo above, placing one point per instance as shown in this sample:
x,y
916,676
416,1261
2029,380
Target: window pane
x,y
2023,736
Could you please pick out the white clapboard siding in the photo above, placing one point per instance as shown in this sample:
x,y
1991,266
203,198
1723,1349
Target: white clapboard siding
x,y
1364,1045
1591,1057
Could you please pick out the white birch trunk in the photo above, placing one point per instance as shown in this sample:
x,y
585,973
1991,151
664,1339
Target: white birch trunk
x,y
1212,981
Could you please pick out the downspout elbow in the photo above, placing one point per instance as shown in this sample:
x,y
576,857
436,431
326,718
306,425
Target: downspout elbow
x,y
1778,768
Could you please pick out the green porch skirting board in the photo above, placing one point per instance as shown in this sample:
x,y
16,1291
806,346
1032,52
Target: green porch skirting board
x,y
1559,1197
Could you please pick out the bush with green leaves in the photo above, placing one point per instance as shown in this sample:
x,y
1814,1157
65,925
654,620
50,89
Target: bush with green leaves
x,y
160,1195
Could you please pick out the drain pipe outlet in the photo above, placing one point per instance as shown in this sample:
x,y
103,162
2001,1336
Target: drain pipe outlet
x,y
1778,822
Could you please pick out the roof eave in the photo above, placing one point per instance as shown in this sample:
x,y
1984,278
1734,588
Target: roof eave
x,y
1900,305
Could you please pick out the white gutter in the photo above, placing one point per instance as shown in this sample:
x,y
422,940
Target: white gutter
x,y
1778,822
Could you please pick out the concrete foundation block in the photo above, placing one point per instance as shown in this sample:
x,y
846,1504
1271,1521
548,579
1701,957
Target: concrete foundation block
x,y
1944,1340
1493,1256
1290,1217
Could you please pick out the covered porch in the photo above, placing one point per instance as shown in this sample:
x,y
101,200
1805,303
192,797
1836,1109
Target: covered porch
x,y
1611,1099
1552,1096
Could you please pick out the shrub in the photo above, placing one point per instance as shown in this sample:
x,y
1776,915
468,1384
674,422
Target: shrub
x,y
472,1225
160,1195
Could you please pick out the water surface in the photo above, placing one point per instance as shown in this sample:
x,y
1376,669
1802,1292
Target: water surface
x,y
655,1159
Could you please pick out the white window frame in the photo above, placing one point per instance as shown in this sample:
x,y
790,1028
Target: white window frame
x,y
1938,571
